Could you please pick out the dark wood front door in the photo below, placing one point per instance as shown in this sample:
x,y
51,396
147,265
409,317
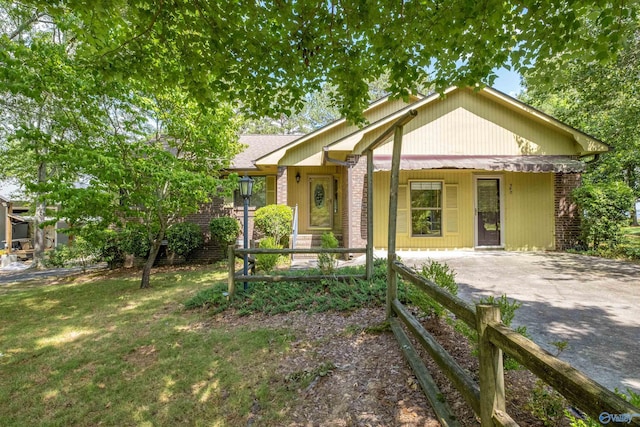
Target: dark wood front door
x,y
488,211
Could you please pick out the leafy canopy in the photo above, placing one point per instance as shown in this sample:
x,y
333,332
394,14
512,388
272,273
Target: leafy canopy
x,y
269,54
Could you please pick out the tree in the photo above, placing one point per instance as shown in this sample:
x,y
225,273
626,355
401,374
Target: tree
x,y
155,181
44,110
104,151
604,101
269,54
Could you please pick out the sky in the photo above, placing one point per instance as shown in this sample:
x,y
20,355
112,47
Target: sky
x,y
507,82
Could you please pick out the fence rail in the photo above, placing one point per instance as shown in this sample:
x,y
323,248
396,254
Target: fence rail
x,y
233,277
487,399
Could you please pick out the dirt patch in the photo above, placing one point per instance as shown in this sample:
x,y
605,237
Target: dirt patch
x,y
356,375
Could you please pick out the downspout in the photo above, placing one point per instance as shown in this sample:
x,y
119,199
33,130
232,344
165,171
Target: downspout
x,y
327,159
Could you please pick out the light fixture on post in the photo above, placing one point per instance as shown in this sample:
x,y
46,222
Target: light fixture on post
x,y
246,187
298,177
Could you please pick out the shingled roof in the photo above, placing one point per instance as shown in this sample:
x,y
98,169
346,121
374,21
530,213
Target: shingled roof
x,y
258,146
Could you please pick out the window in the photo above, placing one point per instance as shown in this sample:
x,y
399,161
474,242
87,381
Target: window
x,y
258,197
426,208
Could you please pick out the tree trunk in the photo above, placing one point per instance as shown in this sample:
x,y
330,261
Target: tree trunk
x,y
146,271
39,219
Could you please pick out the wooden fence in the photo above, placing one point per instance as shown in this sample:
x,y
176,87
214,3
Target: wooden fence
x,y
233,277
487,399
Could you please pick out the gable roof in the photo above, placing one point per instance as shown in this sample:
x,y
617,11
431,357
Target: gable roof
x,y
258,146
274,157
358,139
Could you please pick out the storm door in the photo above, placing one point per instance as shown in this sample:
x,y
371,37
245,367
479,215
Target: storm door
x,y
321,202
488,213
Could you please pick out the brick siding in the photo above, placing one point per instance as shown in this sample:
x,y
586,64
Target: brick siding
x,y
566,211
355,216
281,186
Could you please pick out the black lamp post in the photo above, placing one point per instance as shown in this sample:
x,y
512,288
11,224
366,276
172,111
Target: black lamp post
x,y
246,187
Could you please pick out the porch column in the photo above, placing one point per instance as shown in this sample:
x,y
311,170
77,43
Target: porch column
x,y
281,186
369,266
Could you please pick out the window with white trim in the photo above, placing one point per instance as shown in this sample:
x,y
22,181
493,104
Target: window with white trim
x,y
426,208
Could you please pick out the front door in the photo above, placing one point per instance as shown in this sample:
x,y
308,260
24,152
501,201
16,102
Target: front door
x,y
488,214
321,202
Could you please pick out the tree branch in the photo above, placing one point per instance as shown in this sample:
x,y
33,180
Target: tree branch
x,y
36,16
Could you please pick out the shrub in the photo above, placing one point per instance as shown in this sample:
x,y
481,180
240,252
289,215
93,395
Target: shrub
x,y
275,221
183,238
605,208
327,263
108,248
224,230
443,276
134,240
58,257
267,262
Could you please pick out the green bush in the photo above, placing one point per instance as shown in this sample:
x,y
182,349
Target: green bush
x,y
275,221
605,211
58,257
134,240
183,238
109,250
443,276
224,230
327,263
267,262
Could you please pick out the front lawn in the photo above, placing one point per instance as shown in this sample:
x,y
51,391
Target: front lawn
x,y
101,351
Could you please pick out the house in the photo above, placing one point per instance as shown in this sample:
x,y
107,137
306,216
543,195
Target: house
x,y
479,169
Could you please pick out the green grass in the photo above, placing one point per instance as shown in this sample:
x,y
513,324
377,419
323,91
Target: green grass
x,y
105,352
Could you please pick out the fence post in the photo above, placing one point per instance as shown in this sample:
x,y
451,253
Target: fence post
x,y
491,369
231,260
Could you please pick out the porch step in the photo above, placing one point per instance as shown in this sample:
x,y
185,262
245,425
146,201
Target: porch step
x,y
308,241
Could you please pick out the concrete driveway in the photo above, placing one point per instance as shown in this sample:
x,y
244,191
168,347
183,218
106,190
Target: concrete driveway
x,y
592,303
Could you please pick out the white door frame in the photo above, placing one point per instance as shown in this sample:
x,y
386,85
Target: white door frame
x,y
500,179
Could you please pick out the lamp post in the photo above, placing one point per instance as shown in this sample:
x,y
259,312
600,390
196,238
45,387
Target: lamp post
x,y
246,187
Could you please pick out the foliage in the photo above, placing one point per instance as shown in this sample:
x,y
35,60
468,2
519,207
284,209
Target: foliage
x,y
57,257
107,244
605,208
443,276
547,404
507,313
114,350
274,221
224,230
79,251
316,296
184,237
327,263
133,240
603,100
293,48
267,262
586,421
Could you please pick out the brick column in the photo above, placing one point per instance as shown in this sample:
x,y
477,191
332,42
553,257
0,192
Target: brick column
x,y
281,186
355,234
566,211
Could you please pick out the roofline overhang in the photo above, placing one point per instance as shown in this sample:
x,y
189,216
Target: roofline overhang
x,y
261,161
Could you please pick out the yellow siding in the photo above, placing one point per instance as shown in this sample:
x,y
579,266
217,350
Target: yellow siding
x,y
528,204
297,193
460,181
310,152
529,211
468,124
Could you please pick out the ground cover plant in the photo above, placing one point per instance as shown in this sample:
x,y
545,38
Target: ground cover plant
x,y
99,351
